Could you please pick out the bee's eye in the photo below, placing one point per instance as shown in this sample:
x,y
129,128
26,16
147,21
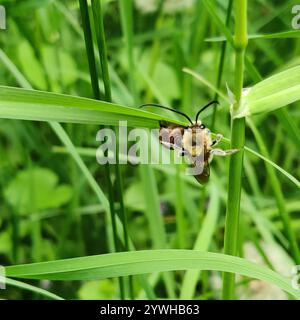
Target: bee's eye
x,y
202,126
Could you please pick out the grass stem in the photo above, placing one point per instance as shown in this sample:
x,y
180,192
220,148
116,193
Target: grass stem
x,y
237,142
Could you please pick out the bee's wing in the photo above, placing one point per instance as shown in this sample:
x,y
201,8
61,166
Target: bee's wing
x,y
203,177
170,136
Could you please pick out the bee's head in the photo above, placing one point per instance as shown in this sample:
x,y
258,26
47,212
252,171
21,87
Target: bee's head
x,y
197,126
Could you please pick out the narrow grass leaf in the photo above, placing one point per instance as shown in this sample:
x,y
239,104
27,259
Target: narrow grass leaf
x,y
45,106
149,261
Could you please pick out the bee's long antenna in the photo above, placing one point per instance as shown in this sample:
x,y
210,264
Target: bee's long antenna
x,y
170,109
209,104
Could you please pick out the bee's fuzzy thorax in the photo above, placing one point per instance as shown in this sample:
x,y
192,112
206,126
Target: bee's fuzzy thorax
x,y
194,139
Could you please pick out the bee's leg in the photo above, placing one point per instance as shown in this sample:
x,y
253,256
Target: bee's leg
x,y
168,145
172,146
217,140
222,153
182,152
210,157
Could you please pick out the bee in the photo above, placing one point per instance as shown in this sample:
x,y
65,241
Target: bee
x,y
193,141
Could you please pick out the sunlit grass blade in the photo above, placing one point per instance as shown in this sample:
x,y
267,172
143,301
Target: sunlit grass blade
x,y
45,106
149,261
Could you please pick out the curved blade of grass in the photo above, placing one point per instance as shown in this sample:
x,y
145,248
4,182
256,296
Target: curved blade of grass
x,y
141,262
277,167
25,104
29,287
273,164
206,83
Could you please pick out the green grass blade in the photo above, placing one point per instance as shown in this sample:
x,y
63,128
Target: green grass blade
x,y
100,33
267,160
141,262
86,25
45,106
277,167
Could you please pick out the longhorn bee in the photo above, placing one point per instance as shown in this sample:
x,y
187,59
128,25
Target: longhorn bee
x,y
193,141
